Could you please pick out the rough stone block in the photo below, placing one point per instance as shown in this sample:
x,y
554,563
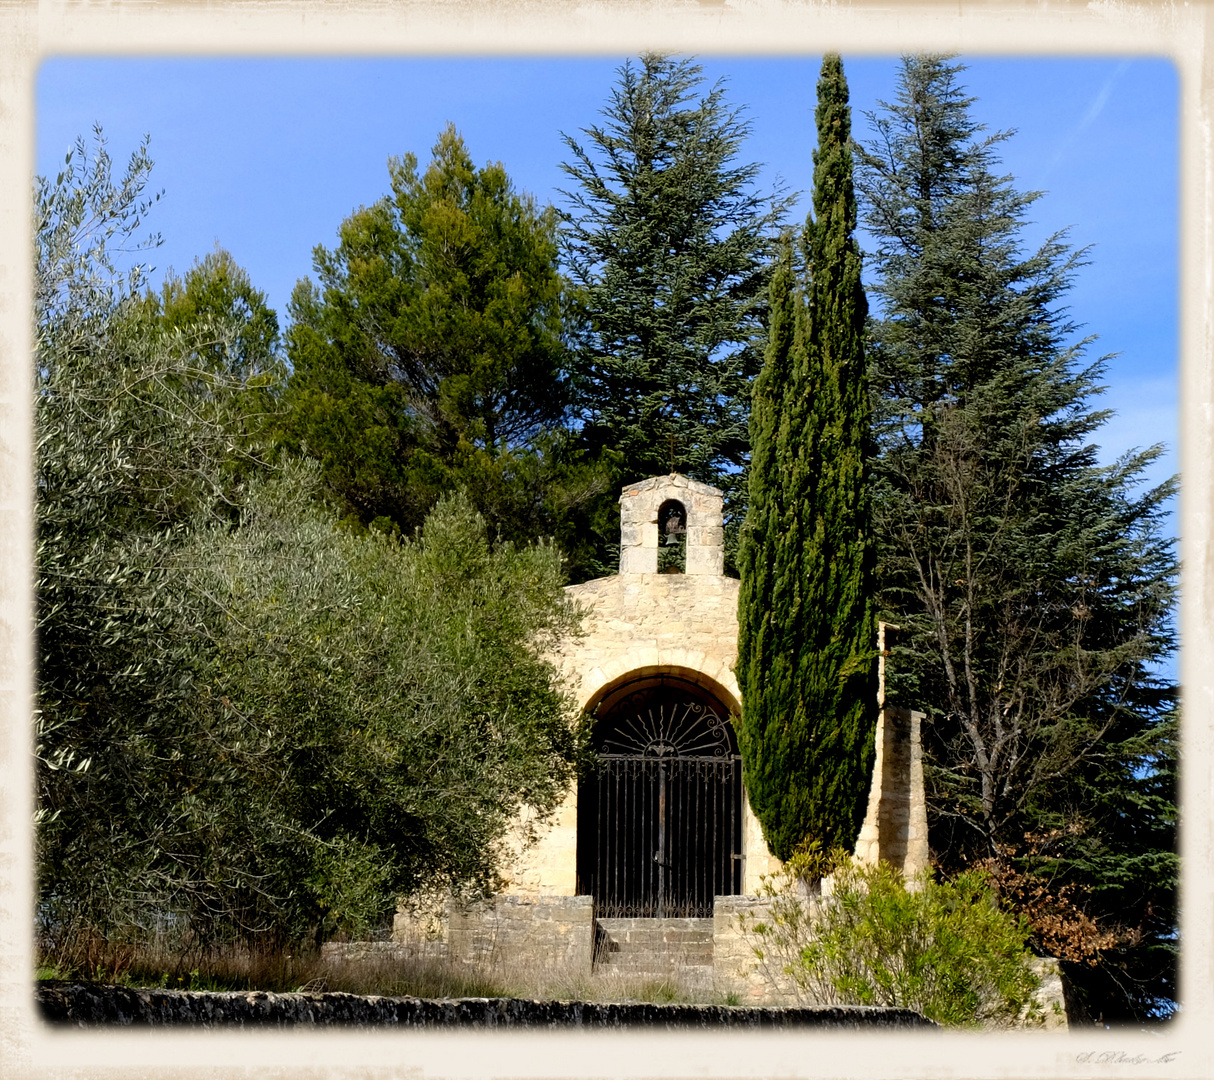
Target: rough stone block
x,y
639,560
543,929
705,561
706,536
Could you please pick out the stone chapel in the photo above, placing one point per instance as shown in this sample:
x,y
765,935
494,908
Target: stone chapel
x,y
660,838
655,672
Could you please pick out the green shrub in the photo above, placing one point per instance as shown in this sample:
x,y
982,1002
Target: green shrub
x,y
944,949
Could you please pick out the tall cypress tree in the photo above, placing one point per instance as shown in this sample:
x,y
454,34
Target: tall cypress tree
x,y
806,627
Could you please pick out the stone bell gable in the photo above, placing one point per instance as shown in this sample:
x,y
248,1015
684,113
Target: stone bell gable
x,y
640,528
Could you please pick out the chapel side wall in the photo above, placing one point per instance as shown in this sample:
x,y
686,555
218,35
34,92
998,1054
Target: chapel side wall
x,y
759,861
548,866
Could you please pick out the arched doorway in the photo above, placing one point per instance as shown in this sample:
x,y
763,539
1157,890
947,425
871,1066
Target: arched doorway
x,y
660,811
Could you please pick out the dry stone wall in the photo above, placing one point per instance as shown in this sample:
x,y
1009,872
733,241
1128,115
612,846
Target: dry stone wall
x,y
92,1006
521,930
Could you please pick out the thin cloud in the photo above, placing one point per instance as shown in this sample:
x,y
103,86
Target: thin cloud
x,y
1094,110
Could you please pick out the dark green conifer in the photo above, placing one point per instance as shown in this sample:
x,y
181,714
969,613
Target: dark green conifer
x,y
806,627
1034,586
669,241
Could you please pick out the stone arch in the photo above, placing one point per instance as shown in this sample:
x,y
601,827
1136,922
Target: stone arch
x,y
725,693
714,675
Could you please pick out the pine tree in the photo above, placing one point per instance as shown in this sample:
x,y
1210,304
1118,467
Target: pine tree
x,y
669,243
806,629
1033,585
433,356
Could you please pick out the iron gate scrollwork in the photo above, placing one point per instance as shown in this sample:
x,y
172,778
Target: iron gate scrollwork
x,y
659,814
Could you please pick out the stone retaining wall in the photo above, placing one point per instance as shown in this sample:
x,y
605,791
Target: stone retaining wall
x,y
522,930
542,930
734,969
92,1005
356,951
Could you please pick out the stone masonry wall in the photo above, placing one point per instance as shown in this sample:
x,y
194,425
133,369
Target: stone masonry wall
x,y
645,623
735,971
895,825
525,931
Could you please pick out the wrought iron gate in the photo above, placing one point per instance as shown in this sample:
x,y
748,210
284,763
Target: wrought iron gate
x,y
659,817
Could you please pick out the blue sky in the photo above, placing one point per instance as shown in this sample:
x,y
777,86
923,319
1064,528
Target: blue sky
x,y
265,157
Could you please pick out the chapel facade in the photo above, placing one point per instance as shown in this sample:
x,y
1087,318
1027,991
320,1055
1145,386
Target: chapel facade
x,y
654,670
656,852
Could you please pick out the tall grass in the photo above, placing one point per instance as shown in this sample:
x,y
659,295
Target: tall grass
x,y
242,968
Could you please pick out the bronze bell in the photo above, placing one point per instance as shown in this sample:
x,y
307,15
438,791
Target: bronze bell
x,y
674,528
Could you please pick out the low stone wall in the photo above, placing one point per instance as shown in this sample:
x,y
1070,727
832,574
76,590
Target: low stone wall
x,y
522,931
356,951
92,1005
734,967
542,930
736,972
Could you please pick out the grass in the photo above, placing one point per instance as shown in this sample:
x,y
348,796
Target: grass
x,y
233,968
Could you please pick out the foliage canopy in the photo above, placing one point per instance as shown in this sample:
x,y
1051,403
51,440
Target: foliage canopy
x,y
946,949
251,725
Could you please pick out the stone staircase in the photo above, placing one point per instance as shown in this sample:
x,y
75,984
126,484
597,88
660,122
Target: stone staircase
x,y
656,948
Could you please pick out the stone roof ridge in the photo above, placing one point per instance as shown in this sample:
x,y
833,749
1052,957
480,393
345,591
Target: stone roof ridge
x,y
676,480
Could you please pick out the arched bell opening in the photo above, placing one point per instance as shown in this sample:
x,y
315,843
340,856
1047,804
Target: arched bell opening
x,y
672,537
660,809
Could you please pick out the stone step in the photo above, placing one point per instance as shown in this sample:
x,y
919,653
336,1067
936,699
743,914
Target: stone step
x,y
654,946
672,929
